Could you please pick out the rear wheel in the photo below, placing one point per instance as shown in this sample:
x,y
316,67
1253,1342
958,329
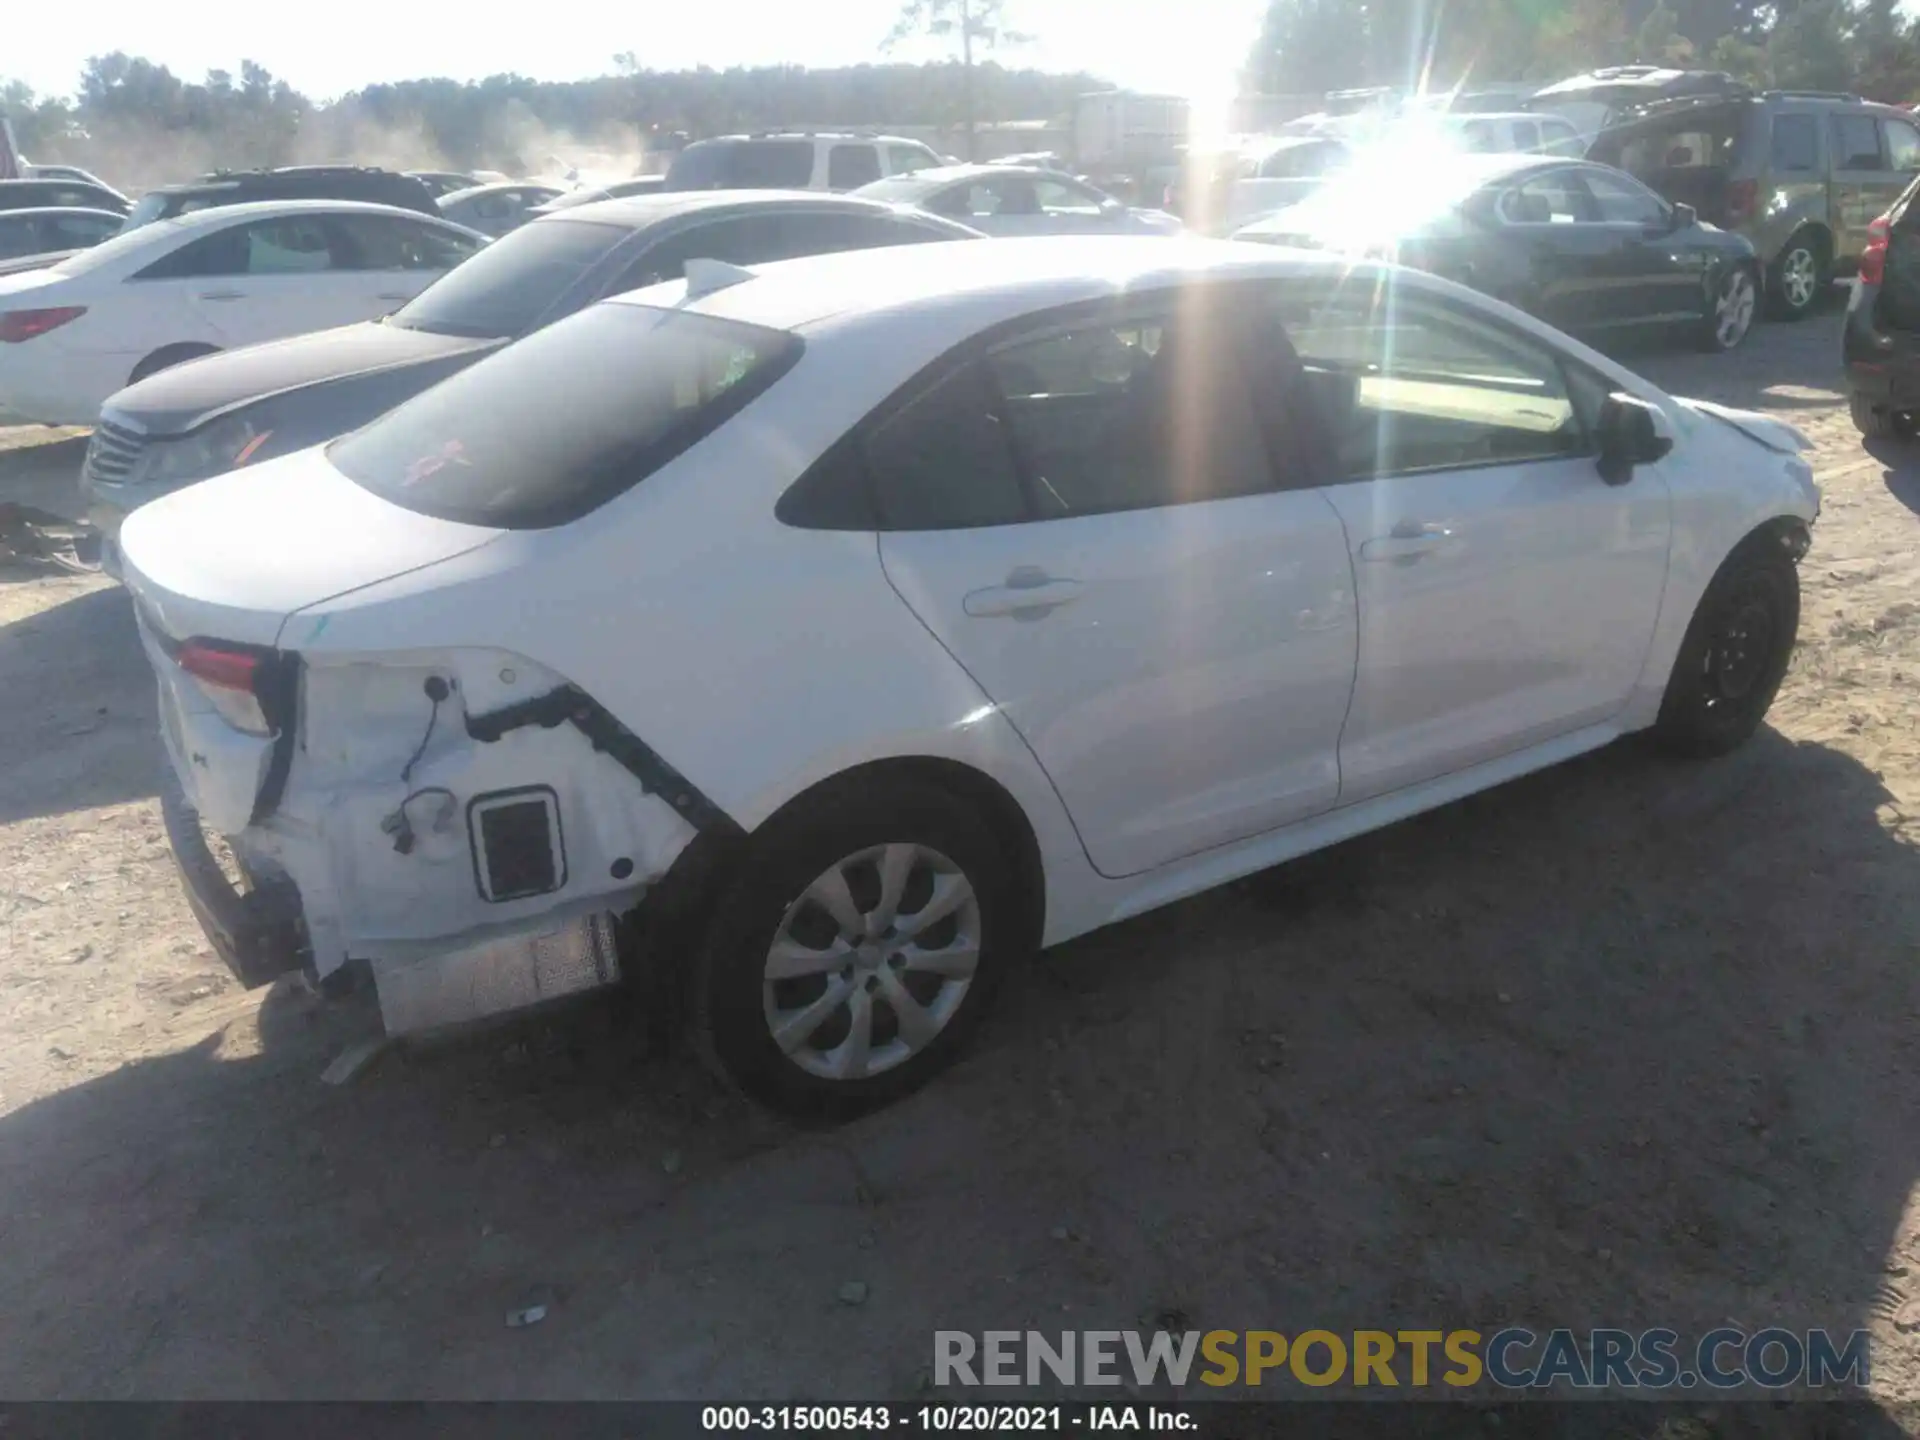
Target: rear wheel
x,y
1800,277
1877,423
1730,319
857,950
1734,655
166,357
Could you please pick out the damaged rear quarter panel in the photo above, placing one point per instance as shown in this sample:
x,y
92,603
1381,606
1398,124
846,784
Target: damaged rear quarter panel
x,y
754,659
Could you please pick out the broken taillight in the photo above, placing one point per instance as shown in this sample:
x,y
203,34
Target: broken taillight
x,y
18,325
229,678
1873,259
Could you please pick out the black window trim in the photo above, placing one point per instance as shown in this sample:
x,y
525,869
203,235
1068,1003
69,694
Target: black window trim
x,y
1306,452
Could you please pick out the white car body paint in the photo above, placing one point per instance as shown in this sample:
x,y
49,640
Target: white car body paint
x,y
757,659
61,377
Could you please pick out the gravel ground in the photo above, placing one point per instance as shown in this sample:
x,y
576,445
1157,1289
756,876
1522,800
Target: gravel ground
x,y
1627,1043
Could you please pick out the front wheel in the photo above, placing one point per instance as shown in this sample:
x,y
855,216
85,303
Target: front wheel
x,y
1734,655
859,947
1730,319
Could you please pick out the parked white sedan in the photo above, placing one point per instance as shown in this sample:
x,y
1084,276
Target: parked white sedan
x,y
217,279
853,626
1019,200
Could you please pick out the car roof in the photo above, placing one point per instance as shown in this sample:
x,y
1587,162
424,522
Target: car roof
x,y
495,187
809,135
292,174
86,210
637,212
962,287
218,216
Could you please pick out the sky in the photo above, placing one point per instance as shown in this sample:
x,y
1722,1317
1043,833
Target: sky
x,y
324,51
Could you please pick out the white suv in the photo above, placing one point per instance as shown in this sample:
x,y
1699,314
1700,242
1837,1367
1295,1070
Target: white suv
x,y
796,160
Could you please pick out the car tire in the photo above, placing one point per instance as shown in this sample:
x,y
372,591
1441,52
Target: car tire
x,y
1734,655
954,914
166,357
1801,274
1875,423
1729,317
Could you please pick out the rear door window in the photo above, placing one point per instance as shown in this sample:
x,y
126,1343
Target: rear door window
x,y
544,431
943,462
1856,143
386,242
1555,198
1796,143
851,166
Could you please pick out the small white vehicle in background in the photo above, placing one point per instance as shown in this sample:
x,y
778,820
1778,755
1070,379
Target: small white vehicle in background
x,y
76,332
845,629
1026,200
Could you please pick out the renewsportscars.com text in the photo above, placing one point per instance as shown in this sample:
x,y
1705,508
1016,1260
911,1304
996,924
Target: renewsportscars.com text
x,y
1513,1359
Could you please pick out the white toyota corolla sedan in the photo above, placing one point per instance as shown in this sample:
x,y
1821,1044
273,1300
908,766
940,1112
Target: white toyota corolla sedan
x,y
844,630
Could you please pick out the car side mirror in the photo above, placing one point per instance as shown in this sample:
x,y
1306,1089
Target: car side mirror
x,y
1628,436
1684,217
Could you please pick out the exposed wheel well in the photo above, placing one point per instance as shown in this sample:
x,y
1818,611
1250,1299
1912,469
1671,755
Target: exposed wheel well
x,y
1821,237
1001,811
168,355
1787,532
666,925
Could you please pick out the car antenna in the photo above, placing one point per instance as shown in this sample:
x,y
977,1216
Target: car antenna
x,y
703,277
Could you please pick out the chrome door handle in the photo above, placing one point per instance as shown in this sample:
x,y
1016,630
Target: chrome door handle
x,y
222,295
1406,542
1028,594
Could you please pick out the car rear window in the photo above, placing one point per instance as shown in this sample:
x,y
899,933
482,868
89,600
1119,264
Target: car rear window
x,y
510,285
743,165
544,431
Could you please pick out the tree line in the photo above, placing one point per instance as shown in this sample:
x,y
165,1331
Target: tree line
x,y
1306,46
133,120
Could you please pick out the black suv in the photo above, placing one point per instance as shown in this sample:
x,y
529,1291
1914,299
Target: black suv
x,y
296,182
1881,342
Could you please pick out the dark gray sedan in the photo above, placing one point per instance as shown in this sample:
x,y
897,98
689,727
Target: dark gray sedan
x,y
240,406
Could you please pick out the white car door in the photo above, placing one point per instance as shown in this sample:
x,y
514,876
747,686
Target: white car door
x,y
1091,522
1507,593
261,280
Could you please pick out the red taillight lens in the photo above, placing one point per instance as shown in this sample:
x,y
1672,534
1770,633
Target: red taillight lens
x,y
18,325
1743,198
1873,259
227,678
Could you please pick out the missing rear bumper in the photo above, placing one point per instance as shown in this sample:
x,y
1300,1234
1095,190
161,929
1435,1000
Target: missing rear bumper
x,y
259,934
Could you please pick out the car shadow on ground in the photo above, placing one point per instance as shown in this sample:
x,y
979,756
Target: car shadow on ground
x,y
1629,1043
76,708
44,475
1901,475
1770,371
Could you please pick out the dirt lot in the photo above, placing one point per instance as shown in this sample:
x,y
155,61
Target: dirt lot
x,y
1629,1043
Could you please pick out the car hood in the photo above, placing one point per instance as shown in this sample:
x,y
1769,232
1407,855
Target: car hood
x,y
232,557
185,396
1772,433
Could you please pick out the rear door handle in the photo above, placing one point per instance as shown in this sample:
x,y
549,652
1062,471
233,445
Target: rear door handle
x,y
1407,542
223,295
1028,594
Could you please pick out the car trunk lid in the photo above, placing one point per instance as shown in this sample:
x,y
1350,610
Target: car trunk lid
x,y
1687,151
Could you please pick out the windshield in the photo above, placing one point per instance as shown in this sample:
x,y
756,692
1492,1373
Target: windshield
x,y
901,189
509,286
544,431
149,209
